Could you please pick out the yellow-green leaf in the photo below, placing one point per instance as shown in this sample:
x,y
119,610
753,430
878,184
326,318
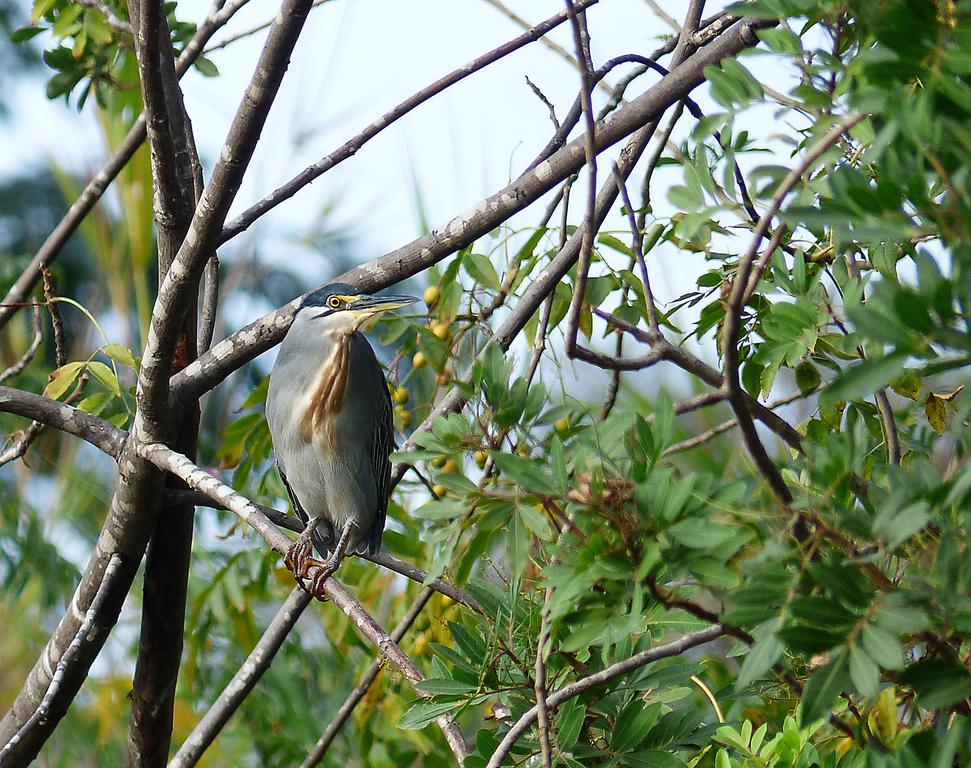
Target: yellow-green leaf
x,y
936,415
62,379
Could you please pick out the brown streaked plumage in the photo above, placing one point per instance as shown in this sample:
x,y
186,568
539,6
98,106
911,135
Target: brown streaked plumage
x,y
329,392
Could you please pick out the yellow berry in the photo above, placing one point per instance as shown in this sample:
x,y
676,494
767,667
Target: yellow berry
x,y
432,294
480,458
419,360
562,425
439,461
439,490
400,395
450,466
404,416
440,330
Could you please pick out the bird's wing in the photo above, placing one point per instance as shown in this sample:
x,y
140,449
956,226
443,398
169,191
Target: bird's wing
x,y
379,449
297,507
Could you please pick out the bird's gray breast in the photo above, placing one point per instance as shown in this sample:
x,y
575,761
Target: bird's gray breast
x,y
322,411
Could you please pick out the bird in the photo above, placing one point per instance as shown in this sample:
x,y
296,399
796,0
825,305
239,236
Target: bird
x,y
329,412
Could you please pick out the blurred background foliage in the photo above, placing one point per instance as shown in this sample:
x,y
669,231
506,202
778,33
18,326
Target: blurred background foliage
x,y
610,526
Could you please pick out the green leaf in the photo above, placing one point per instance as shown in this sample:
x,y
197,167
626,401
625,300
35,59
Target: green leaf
x,y
864,672
864,379
423,713
106,376
444,685
62,379
823,688
807,377
121,354
569,721
883,647
517,546
938,683
525,472
766,651
653,758
633,724
481,269
25,33
206,67
701,534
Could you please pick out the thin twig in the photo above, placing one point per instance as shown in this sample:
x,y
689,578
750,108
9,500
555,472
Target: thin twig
x,y
370,675
220,13
638,660
581,42
631,121
704,437
542,711
737,397
224,43
351,147
16,368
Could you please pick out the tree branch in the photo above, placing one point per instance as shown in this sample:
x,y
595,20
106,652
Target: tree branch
x,y
351,147
100,433
638,660
737,398
195,477
359,691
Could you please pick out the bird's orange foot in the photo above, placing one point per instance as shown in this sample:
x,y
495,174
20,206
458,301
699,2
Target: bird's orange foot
x,y
297,557
324,571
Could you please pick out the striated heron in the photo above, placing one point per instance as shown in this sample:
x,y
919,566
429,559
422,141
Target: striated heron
x,y
330,418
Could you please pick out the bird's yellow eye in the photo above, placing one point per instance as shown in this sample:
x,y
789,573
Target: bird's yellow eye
x,y
333,302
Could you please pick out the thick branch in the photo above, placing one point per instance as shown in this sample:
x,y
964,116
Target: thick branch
x,y
101,434
359,691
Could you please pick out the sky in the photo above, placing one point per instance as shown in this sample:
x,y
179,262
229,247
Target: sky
x,y
353,62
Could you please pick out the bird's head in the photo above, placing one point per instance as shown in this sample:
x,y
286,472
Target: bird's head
x,y
342,307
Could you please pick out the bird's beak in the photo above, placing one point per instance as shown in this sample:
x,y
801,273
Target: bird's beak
x,y
366,307
372,305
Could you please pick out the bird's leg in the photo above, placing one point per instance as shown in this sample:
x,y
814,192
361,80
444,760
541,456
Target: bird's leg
x,y
332,563
298,558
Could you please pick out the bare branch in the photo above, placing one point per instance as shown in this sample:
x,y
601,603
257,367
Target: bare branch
x,y
101,434
91,628
359,691
16,368
710,434
283,520
225,43
351,147
581,42
243,681
638,660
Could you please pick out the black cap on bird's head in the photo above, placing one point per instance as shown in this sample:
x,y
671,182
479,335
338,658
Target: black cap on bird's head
x,y
346,299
